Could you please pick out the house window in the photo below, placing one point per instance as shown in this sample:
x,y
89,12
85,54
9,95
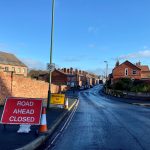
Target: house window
x,y
24,70
13,69
6,69
126,71
19,70
134,72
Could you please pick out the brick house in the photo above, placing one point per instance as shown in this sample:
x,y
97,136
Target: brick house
x,y
58,77
82,78
126,70
67,76
129,70
10,63
145,72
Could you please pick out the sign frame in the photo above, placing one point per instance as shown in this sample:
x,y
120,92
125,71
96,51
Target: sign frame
x,y
21,98
59,103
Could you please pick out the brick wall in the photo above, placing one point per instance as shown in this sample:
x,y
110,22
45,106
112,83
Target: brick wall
x,y
145,74
19,86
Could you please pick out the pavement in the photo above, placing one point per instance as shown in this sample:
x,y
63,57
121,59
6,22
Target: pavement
x,y
135,101
10,139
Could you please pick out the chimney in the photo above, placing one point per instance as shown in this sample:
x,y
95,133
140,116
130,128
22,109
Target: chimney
x,y
65,70
71,70
76,71
138,63
68,71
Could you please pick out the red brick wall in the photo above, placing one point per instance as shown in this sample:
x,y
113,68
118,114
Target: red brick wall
x,y
119,72
145,74
24,87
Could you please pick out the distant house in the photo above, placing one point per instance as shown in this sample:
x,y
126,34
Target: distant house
x,y
129,70
10,63
67,76
58,77
145,72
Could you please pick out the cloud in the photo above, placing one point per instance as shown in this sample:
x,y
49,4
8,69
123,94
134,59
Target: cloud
x,y
145,53
100,71
92,29
145,47
140,54
34,64
97,71
3,45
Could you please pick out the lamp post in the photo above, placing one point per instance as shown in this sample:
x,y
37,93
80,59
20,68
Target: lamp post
x,y
51,49
106,69
106,74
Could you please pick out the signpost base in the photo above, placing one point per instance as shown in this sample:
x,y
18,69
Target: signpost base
x,y
24,128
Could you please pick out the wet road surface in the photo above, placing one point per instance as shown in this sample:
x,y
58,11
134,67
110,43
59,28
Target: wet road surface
x,y
104,124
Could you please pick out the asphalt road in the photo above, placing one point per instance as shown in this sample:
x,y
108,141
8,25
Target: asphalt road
x,y
104,124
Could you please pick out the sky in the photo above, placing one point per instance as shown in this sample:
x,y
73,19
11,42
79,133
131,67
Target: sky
x,y
86,32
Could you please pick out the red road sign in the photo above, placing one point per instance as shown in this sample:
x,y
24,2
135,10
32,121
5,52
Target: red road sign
x,y
22,111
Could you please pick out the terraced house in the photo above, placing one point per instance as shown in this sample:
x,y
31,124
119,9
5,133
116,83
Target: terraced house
x,y
10,63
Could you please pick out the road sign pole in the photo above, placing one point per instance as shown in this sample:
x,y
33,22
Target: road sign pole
x,y
51,48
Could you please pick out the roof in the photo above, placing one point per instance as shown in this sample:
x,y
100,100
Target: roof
x,y
128,62
10,59
59,71
144,68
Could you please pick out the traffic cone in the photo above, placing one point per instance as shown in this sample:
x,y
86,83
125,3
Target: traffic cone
x,y
66,104
43,126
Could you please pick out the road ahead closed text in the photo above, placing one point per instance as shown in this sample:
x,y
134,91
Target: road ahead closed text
x,y
22,111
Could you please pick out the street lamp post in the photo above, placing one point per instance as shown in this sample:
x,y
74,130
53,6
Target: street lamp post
x,y
51,49
106,74
106,69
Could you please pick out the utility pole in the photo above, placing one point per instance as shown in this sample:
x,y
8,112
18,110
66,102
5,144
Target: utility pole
x,y
106,74
51,50
106,69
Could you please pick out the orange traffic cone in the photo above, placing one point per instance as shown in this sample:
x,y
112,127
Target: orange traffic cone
x,y
66,104
43,126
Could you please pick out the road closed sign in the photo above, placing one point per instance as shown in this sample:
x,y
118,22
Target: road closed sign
x,y
22,111
57,99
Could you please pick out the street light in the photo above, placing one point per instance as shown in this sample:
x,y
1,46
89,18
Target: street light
x,y
106,69
51,49
106,74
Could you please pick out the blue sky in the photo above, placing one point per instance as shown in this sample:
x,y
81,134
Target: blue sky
x,y
86,33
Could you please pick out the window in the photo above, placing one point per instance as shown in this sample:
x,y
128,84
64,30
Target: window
x,y
6,69
19,70
126,71
13,69
24,70
134,72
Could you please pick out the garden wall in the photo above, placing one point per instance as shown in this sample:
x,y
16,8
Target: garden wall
x,y
130,95
20,86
